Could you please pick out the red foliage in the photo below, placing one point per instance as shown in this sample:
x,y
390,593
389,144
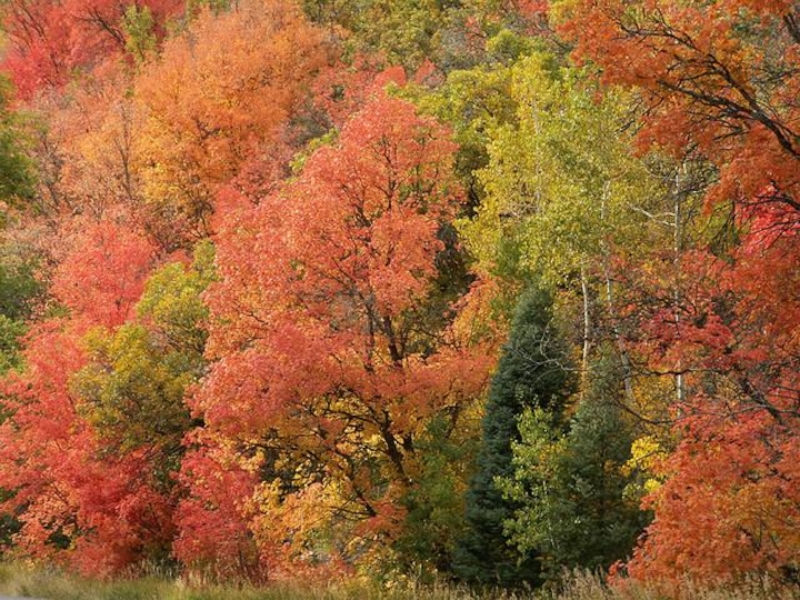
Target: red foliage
x,y
319,356
50,41
78,506
213,520
730,505
102,273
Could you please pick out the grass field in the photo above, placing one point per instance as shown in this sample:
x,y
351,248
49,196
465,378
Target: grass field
x,y
16,580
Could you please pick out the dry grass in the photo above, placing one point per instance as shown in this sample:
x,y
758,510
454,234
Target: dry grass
x,y
18,580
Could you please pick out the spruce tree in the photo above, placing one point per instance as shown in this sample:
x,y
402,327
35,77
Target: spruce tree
x,y
533,372
571,486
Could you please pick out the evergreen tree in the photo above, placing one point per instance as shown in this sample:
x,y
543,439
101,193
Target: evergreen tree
x,y
533,372
570,487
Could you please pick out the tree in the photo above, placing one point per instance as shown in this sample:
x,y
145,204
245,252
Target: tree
x,y
131,391
534,371
16,171
21,293
331,338
83,148
49,42
571,486
449,34
220,96
101,275
723,508
563,194
718,76
89,493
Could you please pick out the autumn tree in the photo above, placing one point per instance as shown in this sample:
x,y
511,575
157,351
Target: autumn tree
x,y
715,78
450,35
131,391
734,424
77,504
721,76
82,145
49,42
221,95
16,171
330,335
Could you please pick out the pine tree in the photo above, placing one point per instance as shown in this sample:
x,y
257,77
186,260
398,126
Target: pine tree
x,y
570,487
533,372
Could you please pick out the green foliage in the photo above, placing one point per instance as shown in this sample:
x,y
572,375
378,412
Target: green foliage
x,y
172,299
474,102
452,34
534,372
193,7
20,291
19,287
16,168
10,333
140,39
133,387
435,505
570,487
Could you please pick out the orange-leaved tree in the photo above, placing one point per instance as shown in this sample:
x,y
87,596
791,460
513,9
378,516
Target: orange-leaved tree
x,y
729,505
718,76
334,346
222,94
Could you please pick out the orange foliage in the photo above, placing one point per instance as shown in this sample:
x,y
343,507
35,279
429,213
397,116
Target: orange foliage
x,y
221,94
324,373
720,79
730,504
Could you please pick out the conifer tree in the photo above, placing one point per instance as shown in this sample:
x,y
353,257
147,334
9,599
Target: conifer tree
x,y
573,510
533,372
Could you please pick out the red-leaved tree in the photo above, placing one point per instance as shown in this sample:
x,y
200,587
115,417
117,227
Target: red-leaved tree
x,y
333,349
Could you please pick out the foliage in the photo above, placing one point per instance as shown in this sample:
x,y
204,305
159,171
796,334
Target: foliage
x,y
132,389
220,96
448,34
534,371
715,75
258,258
562,189
330,363
16,170
570,486
49,42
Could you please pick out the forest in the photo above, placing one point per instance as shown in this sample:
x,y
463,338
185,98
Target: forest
x,y
468,291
